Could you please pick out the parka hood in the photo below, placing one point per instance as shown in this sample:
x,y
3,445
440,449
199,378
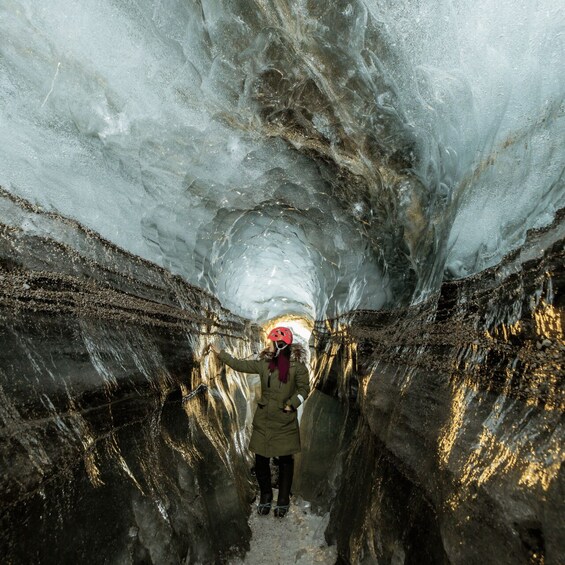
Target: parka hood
x,y
297,353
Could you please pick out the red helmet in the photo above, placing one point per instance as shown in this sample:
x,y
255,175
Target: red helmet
x,y
281,334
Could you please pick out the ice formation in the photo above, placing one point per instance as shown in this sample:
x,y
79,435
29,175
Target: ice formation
x,y
161,162
290,157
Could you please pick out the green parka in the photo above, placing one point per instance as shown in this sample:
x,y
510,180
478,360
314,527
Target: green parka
x,y
275,432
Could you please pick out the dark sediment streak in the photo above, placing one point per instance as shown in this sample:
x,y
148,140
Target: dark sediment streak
x,y
102,461
452,419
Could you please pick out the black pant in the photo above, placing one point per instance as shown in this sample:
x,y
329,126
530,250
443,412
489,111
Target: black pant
x,y
286,471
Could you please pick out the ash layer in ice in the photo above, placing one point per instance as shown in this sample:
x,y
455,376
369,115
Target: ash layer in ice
x,y
444,422
102,462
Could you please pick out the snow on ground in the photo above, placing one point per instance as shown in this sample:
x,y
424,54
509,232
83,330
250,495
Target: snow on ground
x,y
298,538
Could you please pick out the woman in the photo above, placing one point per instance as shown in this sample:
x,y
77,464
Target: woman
x,y
284,387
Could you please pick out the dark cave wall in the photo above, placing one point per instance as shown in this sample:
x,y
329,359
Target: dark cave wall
x,y
120,473
102,461
455,417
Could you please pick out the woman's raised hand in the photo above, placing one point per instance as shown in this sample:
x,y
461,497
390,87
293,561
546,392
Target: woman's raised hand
x,y
213,349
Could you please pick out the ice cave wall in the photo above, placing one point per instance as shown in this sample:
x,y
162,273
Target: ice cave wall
x,y
162,160
435,433
102,459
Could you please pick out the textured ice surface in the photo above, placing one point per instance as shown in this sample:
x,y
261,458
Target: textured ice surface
x,y
291,157
455,415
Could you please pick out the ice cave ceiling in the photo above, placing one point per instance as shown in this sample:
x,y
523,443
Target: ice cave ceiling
x,y
296,157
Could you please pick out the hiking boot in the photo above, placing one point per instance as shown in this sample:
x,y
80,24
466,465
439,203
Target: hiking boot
x,y
265,501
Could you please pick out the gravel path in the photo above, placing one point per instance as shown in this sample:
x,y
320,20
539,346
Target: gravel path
x,y
298,538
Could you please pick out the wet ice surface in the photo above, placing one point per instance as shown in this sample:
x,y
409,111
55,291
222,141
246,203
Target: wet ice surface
x,y
297,538
339,156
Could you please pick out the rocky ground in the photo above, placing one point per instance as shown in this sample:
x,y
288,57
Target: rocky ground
x,y
297,538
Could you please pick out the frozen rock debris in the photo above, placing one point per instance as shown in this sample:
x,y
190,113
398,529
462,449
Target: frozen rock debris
x,y
298,538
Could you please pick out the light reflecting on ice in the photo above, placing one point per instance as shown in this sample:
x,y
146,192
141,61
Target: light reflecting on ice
x,y
291,158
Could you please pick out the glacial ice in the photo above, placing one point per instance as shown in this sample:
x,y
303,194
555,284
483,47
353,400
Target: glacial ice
x,y
296,160
206,138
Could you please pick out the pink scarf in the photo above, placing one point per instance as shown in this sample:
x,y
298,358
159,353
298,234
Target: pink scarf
x,y
282,362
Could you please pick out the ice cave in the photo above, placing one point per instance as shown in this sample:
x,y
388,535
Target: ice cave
x,y
384,176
